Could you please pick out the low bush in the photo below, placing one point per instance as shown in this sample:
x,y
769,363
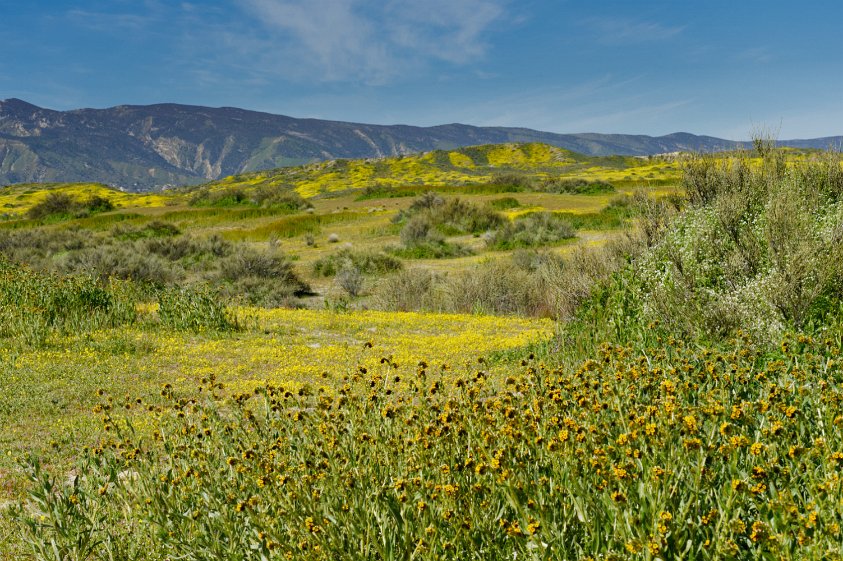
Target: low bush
x,y
496,287
532,230
279,197
61,205
36,247
449,216
121,262
512,182
575,187
504,203
350,279
439,249
227,197
367,262
264,278
194,310
188,248
757,252
155,229
409,290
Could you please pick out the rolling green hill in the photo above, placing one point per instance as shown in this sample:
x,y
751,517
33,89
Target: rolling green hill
x,y
504,165
149,147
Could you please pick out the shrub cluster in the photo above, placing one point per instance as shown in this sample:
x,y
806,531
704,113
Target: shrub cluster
x,y
366,261
531,230
451,216
62,205
158,255
280,197
516,286
757,251
430,218
514,182
576,186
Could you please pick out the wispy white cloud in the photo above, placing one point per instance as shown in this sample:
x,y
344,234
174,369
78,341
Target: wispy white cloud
x,y
620,31
634,116
445,29
756,55
108,21
372,41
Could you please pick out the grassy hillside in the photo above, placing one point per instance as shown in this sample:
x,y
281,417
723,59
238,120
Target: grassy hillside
x,y
464,167
685,404
16,200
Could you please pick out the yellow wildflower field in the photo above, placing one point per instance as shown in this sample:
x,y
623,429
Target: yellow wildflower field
x,y
48,392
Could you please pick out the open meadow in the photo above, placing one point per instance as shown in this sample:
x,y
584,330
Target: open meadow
x,y
500,352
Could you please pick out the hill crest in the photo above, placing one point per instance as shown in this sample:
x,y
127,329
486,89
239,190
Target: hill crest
x,y
143,147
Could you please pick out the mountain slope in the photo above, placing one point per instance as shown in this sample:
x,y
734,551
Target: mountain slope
x,y
146,147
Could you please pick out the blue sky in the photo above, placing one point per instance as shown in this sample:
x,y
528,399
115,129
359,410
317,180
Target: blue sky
x,y
723,68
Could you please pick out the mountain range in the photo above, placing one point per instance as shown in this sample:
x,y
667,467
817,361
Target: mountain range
x,y
144,147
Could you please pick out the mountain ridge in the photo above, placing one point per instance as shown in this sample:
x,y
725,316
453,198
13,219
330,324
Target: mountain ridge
x,y
143,147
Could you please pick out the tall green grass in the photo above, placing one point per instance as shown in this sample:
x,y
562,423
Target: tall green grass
x,y
290,227
34,305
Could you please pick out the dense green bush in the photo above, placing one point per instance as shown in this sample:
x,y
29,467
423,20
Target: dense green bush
x,y
194,310
280,197
62,205
421,240
368,262
450,216
532,230
34,305
514,182
264,278
575,186
758,251
154,229
504,203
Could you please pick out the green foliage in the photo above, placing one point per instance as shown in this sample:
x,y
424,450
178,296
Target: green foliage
x,y
512,182
263,278
703,453
278,197
757,252
194,310
57,206
379,192
35,305
575,186
431,249
532,230
504,203
367,262
450,216
154,229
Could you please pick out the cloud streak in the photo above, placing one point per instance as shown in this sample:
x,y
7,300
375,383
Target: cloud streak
x,y
371,41
620,31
